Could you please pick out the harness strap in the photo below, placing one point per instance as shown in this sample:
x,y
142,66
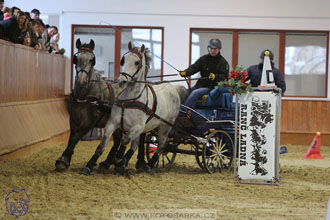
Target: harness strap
x,y
133,104
154,105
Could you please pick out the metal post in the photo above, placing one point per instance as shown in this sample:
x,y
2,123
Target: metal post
x,y
235,141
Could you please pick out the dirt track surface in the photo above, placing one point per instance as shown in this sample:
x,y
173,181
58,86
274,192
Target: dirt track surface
x,y
303,192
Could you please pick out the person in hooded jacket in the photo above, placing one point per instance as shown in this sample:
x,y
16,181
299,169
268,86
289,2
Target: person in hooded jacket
x,y
255,72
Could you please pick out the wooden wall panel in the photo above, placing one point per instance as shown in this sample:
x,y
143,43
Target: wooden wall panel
x,y
32,105
27,74
305,116
27,123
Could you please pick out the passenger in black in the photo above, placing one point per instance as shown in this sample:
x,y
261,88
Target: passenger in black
x,y
255,72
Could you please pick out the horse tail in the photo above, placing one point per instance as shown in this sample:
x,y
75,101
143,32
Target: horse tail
x,y
183,92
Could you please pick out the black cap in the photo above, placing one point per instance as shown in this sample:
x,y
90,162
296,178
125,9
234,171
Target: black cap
x,y
35,11
2,1
271,55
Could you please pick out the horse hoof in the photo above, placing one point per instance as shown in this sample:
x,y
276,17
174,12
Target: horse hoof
x,y
86,171
145,169
104,165
61,164
120,170
60,167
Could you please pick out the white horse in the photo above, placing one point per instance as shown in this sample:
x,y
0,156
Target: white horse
x,y
140,108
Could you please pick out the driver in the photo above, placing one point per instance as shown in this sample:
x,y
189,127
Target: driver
x,y
212,65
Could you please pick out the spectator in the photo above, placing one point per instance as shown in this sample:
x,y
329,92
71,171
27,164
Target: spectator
x,y
44,42
255,72
25,32
2,3
33,32
35,14
54,44
6,13
13,28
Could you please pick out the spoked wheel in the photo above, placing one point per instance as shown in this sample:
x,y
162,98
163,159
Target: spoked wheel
x,y
218,152
199,154
166,159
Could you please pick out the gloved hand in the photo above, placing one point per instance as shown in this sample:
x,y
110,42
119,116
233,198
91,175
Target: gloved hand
x,y
212,76
204,98
182,73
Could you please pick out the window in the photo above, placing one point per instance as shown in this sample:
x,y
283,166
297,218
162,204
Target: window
x,y
104,39
252,43
152,39
301,56
305,64
111,43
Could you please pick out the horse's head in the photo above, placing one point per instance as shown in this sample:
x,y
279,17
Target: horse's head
x,y
84,61
135,63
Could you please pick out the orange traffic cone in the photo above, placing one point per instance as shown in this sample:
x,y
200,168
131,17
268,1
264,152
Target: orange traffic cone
x,y
314,150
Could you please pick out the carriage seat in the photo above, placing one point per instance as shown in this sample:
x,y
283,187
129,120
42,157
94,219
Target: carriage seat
x,y
218,98
218,105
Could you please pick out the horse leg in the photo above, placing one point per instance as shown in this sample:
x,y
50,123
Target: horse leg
x,y
163,132
131,151
111,156
120,160
63,162
109,129
141,163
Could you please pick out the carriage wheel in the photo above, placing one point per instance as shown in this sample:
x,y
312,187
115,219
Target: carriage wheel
x,y
218,152
166,159
199,154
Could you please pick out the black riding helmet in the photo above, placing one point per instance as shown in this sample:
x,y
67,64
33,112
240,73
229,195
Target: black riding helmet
x,y
271,55
214,43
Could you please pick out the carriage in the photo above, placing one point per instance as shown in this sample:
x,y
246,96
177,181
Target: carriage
x,y
205,131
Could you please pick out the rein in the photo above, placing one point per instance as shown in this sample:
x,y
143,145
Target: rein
x,y
164,81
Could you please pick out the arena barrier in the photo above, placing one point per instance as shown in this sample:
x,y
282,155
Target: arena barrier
x,y
32,106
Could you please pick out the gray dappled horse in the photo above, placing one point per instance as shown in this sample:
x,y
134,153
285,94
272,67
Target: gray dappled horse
x,y
89,105
139,108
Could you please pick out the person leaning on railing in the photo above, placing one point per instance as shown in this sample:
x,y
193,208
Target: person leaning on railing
x,y
46,35
13,28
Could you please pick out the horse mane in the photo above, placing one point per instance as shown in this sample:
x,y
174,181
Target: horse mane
x,y
147,57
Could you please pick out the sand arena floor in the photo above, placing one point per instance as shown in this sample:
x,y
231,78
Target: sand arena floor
x,y
303,192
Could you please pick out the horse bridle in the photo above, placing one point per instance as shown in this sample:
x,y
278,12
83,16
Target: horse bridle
x,y
122,62
81,50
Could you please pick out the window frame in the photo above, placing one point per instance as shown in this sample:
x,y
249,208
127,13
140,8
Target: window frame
x,y
118,37
281,62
